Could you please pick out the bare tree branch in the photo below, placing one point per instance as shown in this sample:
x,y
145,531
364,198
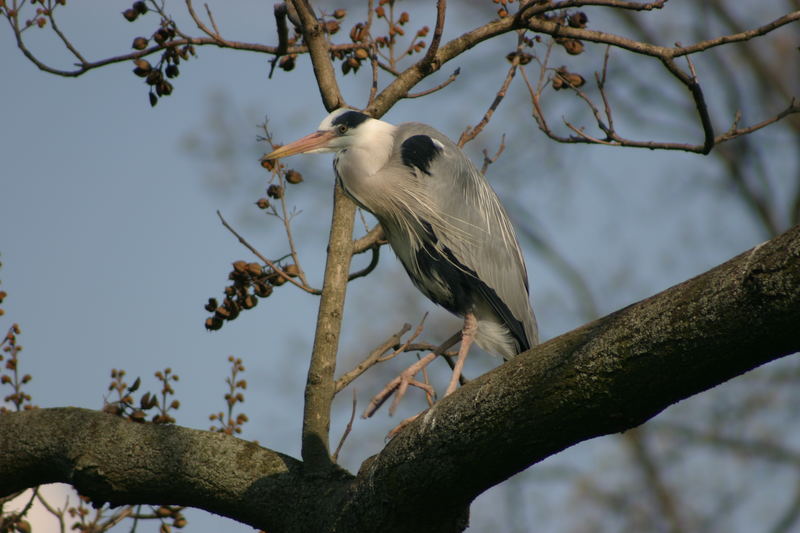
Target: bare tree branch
x,y
607,376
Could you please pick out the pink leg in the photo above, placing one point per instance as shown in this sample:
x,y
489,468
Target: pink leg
x,y
467,336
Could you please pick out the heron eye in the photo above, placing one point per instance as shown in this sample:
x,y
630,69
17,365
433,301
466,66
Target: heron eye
x,y
342,129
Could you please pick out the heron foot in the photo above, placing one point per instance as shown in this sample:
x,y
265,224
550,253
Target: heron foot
x,y
399,385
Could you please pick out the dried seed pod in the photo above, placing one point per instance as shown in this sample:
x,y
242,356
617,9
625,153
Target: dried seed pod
x,y
275,191
360,53
143,65
357,33
263,290
572,46
161,35
154,77
254,269
287,63
140,7
140,43
578,19
269,164
293,177
172,71
250,301
292,270
262,203
223,313
130,14
332,26
211,306
153,99
240,266
339,13
213,323
164,88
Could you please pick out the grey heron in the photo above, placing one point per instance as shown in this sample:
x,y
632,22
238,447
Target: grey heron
x,y
441,218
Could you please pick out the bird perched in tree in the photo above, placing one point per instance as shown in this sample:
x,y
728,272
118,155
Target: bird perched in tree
x,y
441,218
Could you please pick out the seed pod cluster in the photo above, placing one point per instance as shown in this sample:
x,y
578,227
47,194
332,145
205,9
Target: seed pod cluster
x,y
564,79
157,76
250,281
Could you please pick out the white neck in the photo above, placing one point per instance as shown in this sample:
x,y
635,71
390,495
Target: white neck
x,y
368,152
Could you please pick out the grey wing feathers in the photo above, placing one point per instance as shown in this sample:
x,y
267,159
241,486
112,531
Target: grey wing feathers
x,y
473,226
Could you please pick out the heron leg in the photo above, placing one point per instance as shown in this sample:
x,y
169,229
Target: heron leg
x,y
467,337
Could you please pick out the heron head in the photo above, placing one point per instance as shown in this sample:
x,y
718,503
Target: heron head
x,y
337,132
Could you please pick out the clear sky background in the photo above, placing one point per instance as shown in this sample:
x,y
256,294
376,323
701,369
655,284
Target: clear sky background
x,y
110,242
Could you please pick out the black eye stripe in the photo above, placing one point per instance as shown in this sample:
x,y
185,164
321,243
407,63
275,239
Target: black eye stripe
x,y
350,119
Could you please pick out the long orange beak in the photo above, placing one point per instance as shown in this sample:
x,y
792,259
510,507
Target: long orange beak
x,y
313,141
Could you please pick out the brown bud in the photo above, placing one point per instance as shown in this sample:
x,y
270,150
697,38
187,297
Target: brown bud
x,y
172,71
240,266
140,43
262,203
423,31
211,306
269,164
223,313
163,511
340,13
275,191
361,53
140,7
138,416
293,177
254,269
130,14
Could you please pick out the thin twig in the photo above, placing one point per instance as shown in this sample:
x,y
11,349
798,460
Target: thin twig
x,y
376,249
472,132
371,359
347,430
270,264
439,87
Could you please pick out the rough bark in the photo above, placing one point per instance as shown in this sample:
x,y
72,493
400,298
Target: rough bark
x,y
607,376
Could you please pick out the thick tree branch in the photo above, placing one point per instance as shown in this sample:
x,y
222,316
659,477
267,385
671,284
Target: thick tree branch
x,y
114,460
607,376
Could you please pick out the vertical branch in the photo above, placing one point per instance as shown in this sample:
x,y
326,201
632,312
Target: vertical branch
x,y
318,49
320,385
